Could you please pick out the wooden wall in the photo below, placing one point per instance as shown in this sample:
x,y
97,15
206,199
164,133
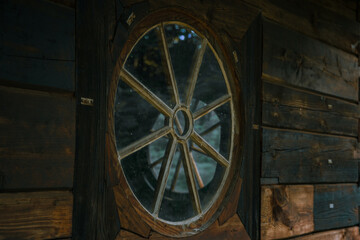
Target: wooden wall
x,y
37,118
310,120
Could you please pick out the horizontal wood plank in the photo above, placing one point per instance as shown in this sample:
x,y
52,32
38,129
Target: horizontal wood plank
x,y
37,139
286,210
351,233
36,215
335,206
286,107
296,157
312,20
295,59
37,28
345,8
38,72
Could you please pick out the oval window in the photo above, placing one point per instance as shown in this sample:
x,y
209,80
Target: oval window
x,y
174,124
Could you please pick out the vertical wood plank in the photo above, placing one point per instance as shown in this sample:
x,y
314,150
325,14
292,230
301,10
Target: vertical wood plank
x,y
249,70
94,204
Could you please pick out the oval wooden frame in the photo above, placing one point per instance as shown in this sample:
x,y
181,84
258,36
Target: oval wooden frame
x,y
202,221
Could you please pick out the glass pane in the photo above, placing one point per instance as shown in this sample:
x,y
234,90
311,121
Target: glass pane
x,y
139,175
134,117
176,205
210,84
182,43
148,65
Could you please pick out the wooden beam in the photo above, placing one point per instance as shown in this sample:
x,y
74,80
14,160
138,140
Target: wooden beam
x,y
36,215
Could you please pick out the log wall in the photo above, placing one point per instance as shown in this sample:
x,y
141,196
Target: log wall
x,y
37,118
310,120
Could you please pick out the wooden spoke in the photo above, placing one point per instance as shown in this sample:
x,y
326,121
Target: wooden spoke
x,y
176,175
196,170
143,142
169,67
199,150
211,106
178,125
190,179
210,129
195,72
209,149
145,92
163,176
156,162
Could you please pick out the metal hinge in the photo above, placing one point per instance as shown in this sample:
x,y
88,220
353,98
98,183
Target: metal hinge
x,y
87,101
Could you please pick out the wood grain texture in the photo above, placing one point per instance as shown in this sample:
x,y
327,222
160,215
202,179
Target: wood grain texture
x,y
345,8
341,234
249,70
218,14
286,210
304,62
129,218
38,29
344,209
232,229
38,72
286,107
37,139
35,215
312,20
232,205
296,157
95,215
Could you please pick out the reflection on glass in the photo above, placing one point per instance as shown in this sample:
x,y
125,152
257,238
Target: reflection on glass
x,y
136,118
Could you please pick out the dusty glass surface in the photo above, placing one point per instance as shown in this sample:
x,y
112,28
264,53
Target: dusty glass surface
x,y
173,122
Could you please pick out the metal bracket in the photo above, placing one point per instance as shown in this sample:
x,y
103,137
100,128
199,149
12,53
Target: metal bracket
x,y
131,18
87,101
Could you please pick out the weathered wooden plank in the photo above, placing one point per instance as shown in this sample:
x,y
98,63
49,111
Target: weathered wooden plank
x,y
37,139
220,14
249,71
313,20
36,215
94,215
38,72
286,107
335,206
296,157
37,28
68,3
345,8
129,218
340,234
232,205
286,210
232,229
295,59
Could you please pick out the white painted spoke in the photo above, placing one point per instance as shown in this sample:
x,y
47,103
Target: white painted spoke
x,y
209,149
163,176
145,92
143,142
190,179
211,106
199,55
170,68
